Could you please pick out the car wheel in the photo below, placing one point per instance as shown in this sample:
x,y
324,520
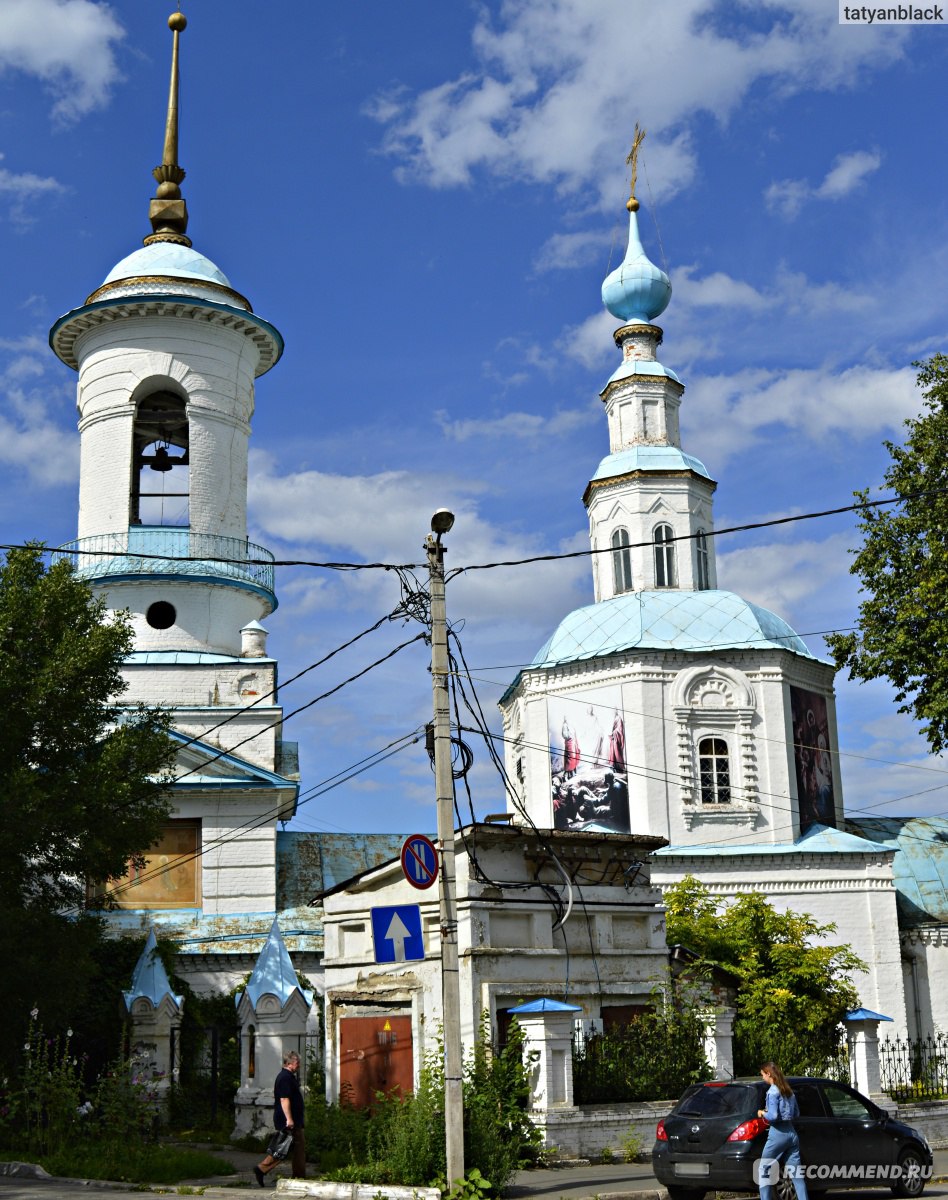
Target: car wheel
x,y
681,1193
784,1189
911,1181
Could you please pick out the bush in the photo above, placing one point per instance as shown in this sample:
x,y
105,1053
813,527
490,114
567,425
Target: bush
x,y
654,1057
404,1135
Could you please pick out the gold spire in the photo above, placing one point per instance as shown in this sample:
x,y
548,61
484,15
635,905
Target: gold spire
x,y
633,159
168,212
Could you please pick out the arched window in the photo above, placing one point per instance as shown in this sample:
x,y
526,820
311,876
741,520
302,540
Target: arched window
x,y
664,557
621,561
161,471
702,562
714,770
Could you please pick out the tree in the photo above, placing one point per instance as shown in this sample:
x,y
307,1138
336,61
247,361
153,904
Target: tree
x,y
794,988
902,629
83,779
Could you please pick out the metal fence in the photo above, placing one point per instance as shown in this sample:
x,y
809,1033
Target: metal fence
x,y
915,1068
167,550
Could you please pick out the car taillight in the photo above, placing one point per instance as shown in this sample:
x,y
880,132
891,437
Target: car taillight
x,y
660,1134
748,1130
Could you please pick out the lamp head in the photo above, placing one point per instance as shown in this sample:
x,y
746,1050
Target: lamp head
x,y
442,521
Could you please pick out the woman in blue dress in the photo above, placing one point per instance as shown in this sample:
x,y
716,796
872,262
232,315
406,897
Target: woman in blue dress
x,y
783,1143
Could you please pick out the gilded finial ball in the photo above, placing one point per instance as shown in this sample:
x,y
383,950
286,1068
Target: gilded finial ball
x,y
177,21
632,204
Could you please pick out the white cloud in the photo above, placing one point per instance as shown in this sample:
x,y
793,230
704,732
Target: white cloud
x,y
23,188
68,45
718,290
558,80
564,251
729,413
32,441
787,196
385,518
521,426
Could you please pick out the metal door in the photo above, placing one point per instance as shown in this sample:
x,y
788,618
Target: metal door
x,y
374,1056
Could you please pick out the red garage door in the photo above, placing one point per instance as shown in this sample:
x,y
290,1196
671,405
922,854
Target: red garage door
x,y
374,1056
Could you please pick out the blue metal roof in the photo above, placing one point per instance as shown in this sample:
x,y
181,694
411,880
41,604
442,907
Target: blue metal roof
x,y
818,839
167,258
649,458
150,979
920,868
273,974
545,1005
638,366
668,620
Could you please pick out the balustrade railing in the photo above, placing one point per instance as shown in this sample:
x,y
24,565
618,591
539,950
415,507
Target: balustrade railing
x,y
164,550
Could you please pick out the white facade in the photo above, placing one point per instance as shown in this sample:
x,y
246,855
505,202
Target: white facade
x,y
674,709
513,941
167,355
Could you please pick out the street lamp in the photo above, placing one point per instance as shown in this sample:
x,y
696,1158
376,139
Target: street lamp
x,y
441,523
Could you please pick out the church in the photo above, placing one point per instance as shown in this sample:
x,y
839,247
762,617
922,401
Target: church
x,y
668,728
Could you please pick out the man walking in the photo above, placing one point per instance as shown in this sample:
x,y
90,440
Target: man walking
x,y
288,1116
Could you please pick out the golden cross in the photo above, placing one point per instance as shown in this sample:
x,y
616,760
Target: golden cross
x,y
633,157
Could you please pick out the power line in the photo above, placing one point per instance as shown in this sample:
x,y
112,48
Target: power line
x,y
515,562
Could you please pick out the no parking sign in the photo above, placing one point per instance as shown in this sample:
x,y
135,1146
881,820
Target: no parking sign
x,y
420,861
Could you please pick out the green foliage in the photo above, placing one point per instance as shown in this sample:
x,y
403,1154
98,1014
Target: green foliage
x,y
338,1130
472,1187
653,1057
498,1133
404,1135
82,792
902,629
51,1117
405,1140
793,989
633,1148
136,1163
198,1101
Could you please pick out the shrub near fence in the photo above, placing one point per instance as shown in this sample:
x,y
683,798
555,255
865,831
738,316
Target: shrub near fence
x,y
653,1057
915,1068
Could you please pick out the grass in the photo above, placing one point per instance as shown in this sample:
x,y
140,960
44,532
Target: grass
x,y
168,1164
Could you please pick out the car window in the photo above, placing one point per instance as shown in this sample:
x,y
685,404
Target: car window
x,y
808,1097
844,1103
729,1100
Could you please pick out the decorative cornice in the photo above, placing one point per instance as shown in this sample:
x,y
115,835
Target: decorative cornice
x,y
164,285
67,331
619,480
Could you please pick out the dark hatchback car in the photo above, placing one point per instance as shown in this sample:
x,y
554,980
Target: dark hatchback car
x,y
713,1137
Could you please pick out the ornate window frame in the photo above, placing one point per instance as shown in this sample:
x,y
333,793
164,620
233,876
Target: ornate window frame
x,y
716,702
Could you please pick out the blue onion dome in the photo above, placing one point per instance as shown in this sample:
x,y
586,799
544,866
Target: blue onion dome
x,y
636,290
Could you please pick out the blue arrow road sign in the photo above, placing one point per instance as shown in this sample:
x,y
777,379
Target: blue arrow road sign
x,y
396,932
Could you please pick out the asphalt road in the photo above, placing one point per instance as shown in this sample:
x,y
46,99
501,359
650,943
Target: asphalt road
x,y
595,1181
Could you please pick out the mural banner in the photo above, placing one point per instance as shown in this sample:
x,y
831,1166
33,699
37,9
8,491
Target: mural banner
x,y
589,775
811,757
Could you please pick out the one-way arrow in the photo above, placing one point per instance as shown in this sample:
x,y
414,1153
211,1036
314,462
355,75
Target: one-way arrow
x,y
397,933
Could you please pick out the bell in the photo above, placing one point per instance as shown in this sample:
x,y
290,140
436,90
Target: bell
x,y
161,460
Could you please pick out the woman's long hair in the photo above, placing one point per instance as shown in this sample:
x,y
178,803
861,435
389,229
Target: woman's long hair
x,y
778,1077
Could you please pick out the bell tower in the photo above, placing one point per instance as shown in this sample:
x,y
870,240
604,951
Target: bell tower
x,y
167,353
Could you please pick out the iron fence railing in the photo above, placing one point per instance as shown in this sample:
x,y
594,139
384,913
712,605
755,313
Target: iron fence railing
x,y
915,1068
167,550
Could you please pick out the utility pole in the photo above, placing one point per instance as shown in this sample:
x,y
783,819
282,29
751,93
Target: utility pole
x,y
441,523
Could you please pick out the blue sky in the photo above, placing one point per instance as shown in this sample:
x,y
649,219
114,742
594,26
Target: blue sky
x,y
425,199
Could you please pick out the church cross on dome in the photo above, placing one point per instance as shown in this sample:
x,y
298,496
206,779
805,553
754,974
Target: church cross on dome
x,y
638,137
168,211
